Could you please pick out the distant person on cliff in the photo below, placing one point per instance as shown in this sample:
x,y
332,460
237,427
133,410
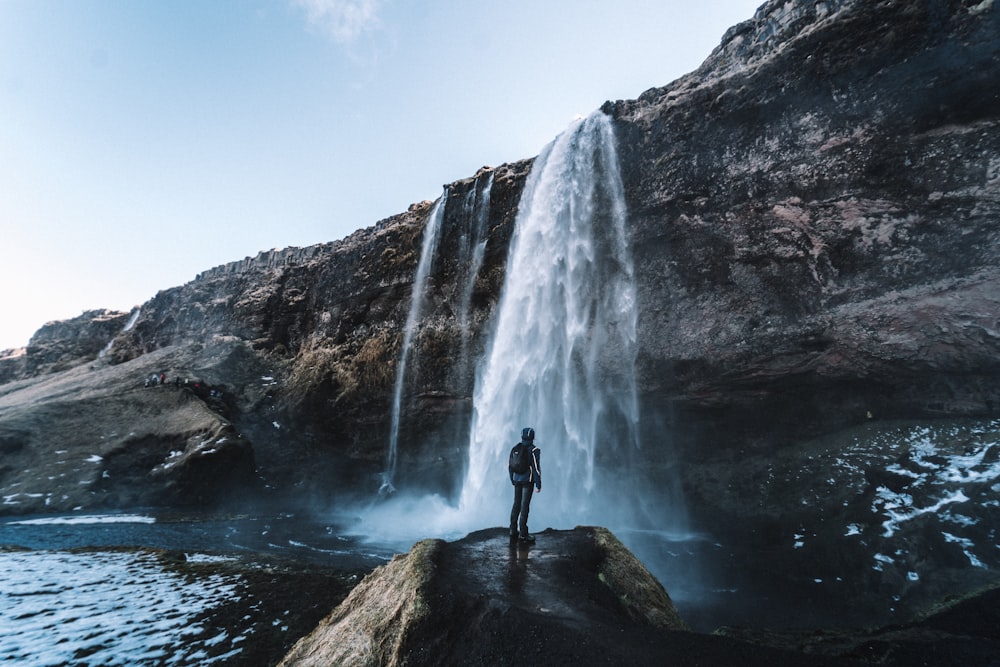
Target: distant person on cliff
x,y
525,471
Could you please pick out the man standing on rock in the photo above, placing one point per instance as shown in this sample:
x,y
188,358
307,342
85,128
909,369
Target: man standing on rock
x,y
526,475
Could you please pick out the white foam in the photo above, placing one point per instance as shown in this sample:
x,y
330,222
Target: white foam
x,y
84,519
900,508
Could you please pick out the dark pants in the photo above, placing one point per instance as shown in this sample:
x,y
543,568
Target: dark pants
x,y
519,512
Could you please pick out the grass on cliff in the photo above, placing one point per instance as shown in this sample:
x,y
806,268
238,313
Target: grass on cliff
x,y
348,371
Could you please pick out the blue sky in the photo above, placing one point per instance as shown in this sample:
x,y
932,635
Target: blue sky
x,y
142,142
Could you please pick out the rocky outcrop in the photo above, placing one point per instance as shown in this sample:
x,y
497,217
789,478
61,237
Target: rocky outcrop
x,y
577,595
63,344
101,436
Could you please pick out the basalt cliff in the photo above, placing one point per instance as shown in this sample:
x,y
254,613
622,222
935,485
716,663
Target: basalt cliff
x,y
814,217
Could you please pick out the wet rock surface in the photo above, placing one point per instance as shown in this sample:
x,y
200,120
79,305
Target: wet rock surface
x,y
963,632
572,597
874,525
579,598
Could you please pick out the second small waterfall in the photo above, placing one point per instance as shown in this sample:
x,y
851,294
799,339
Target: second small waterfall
x,y
432,232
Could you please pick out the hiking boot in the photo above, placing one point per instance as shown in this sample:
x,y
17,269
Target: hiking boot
x,y
526,539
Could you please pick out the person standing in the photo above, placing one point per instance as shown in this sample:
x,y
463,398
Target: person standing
x,y
526,475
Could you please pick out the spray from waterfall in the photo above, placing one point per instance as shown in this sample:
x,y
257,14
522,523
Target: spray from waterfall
x,y
562,358
432,233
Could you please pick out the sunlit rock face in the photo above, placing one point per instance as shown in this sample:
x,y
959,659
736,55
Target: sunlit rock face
x,y
63,344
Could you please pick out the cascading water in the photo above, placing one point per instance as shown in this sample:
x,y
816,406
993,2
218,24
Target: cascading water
x,y
432,232
133,318
473,246
562,359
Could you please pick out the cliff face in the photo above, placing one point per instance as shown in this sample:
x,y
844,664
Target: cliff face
x,y
328,321
300,346
813,209
61,345
813,216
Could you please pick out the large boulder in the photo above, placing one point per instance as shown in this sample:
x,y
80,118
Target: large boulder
x,y
579,597
575,596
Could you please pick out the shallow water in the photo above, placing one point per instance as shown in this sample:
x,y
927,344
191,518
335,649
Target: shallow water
x,y
891,520
71,594
282,535
103,608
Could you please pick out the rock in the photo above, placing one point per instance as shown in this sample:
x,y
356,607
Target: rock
x,y
806,234
963,632
61,345
574,597
12,364
578,597
97,437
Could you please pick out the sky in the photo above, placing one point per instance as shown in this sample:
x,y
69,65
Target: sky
x,y
144,141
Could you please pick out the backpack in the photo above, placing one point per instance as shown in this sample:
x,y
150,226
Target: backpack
x,y
520,459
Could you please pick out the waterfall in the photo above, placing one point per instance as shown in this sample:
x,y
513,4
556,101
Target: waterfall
x,y
432,232
562,357
476,210
133,318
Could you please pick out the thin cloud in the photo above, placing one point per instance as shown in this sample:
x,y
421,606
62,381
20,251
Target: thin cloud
x,y
343,20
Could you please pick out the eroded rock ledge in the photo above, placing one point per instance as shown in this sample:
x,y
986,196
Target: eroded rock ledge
x,y
579,597
480,600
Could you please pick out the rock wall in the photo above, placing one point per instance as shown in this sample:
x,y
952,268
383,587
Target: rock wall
x,y
814,216
63,344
